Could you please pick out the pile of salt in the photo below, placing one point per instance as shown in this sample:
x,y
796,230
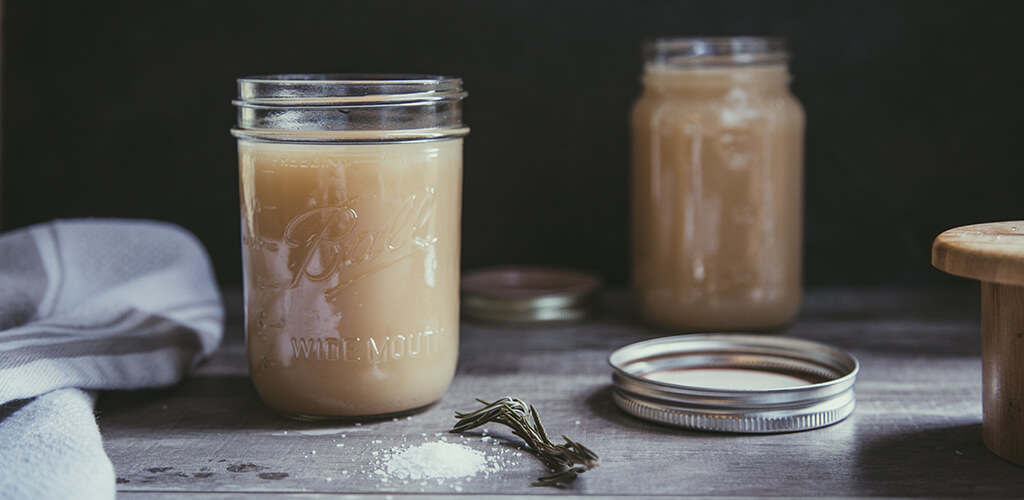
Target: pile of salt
x,y
437,460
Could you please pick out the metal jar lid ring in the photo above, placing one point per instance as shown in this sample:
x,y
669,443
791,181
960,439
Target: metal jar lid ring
x,y
735,382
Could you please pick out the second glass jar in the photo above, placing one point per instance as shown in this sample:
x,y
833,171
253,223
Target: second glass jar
x,y
717,186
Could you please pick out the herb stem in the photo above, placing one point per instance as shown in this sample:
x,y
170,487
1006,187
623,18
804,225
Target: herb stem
x,y
566,461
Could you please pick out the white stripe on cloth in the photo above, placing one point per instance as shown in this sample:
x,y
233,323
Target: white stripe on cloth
x,y
126,305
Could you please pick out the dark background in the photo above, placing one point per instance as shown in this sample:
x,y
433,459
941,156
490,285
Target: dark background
x,y
122,109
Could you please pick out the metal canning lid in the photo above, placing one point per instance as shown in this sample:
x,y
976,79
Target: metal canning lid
x,y
528,294
735,382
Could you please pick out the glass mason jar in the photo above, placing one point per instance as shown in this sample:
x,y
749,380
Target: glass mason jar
x,y
351,207
717,186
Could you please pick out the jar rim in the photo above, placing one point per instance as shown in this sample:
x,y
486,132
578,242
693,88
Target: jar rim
x,y
326,89
349,107
715,51
349,78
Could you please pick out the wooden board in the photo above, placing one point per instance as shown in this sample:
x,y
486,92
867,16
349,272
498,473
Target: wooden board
x,y
916,431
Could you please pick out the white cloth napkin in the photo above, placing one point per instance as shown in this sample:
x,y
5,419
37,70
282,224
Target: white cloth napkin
x,y
87,305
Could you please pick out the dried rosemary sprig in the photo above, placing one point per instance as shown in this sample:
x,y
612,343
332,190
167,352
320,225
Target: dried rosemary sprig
x,y
565,460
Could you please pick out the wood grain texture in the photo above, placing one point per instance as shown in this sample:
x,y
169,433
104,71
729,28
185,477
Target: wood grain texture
x,y
916,431
1002,352
992,252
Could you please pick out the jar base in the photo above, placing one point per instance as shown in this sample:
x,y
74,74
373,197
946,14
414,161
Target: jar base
x,y
685,328
353,418
767,317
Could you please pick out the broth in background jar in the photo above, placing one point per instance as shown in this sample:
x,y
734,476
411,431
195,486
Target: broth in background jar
x,y
717,186
351,206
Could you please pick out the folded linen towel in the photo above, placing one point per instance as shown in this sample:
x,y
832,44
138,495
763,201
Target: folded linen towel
x,y
87,305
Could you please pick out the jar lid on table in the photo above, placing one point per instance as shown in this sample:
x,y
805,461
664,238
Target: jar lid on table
x,y
522,295
735,382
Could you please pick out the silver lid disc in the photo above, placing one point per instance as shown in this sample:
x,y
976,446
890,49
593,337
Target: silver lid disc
x,y
735,382
528,295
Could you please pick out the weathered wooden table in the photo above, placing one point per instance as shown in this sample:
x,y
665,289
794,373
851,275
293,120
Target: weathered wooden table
x,y
916,431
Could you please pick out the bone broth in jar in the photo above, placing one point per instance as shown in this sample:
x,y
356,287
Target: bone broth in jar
x,y
351,197
717,186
